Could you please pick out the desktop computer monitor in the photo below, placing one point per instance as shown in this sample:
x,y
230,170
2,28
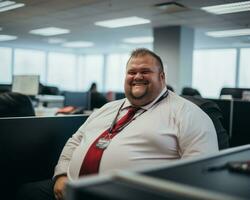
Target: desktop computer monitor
x,y
77,99
26,84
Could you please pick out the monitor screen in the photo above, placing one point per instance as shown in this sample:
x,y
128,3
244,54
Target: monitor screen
x,y
26,84
77,99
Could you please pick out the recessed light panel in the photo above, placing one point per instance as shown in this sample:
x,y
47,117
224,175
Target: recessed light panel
x,y
122,22
228,8
139,40
78,44
6,3
49,31
7,37
9,5
56,40
229,33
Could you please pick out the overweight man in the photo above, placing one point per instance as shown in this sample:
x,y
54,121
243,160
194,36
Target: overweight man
x,y
151,126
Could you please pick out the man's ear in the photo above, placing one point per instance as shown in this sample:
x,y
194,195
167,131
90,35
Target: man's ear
x,y
162,75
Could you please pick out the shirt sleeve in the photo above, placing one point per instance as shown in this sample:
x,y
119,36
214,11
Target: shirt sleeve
x,y
69,148
197,135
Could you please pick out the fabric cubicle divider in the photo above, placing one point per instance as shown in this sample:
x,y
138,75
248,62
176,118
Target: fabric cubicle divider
x,y
30,147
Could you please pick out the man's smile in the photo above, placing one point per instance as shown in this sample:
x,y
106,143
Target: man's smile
x,y
140,83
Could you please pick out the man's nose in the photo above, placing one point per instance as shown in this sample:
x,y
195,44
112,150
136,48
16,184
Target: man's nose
x,y
138,75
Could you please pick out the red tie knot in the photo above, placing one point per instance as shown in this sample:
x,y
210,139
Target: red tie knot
x,y
133,109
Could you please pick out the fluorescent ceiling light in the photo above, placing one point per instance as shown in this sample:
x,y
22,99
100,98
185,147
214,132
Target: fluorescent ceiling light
x,y
6,3
121,22
229,33
139,40
78,44
10,6
56,40
49,31
7,37
228,8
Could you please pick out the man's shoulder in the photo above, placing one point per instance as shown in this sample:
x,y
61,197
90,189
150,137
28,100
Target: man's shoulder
x,y
180,103
178,100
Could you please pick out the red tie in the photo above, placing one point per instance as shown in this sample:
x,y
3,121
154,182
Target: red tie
x,y
92,159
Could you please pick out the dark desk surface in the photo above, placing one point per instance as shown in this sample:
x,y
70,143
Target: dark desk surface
x,y
192,174
196,174
119,190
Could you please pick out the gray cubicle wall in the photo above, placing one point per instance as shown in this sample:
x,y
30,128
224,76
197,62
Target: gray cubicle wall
x,y
236,120
199,173
241,123
30,147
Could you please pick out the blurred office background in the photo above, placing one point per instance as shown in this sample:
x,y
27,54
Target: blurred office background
x,y
66,45
78,49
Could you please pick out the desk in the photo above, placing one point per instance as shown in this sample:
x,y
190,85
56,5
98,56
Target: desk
x,y
182,180
50,100
195,173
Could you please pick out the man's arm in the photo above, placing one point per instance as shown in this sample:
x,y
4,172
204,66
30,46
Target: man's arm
x,y
60,174
67,152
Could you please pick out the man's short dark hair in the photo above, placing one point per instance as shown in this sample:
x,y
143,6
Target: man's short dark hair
x,y
142,52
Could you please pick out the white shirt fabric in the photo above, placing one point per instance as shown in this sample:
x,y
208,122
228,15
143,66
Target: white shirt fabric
x,y
172,129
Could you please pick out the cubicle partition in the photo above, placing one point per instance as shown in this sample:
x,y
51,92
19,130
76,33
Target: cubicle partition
x,y
30,147
241,123
211,173
235,120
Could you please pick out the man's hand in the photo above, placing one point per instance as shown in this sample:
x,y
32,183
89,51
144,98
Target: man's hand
x,y
59,186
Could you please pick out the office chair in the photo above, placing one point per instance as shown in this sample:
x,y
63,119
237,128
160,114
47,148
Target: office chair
x,y
215,114
188,91
48,90
14,104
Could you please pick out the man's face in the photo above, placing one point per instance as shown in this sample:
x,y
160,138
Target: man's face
x,y
144,81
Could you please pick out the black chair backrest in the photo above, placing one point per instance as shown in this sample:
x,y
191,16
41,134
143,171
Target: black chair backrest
x,y
188,91
14,104
214,112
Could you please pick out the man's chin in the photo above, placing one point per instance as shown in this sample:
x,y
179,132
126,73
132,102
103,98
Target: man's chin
x,y
138,95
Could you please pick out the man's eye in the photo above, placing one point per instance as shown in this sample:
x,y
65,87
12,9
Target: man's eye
x,y
131,73
145,72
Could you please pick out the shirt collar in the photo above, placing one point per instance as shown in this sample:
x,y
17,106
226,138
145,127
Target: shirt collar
x,y
146,107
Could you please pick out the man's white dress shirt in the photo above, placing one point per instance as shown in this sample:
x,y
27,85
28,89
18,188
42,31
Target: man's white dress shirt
x,y
170,130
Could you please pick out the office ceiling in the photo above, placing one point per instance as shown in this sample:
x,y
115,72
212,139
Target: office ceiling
x,y
79,16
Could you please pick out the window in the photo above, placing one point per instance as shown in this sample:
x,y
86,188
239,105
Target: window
x,y
90,70
62,71
214,69
29,62
244,79
115,73
5,65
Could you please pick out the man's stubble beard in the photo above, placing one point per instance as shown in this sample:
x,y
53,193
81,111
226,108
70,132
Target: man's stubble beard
x,y
138,97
